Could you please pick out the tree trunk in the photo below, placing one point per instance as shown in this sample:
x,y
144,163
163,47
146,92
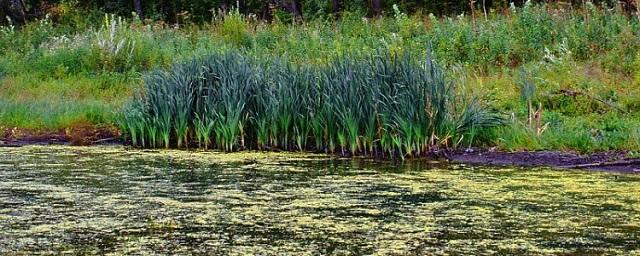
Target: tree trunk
x,y
14,9
137,5
296,10
637,5
267,11
472,7
484,9
335,7
376,7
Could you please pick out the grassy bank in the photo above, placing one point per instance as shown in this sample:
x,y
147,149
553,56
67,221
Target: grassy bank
x,y
579,69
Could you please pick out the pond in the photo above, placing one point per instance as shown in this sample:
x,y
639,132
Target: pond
x,y
110,200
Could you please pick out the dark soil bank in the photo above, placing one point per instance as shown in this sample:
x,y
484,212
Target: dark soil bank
x,y
77,136
604,161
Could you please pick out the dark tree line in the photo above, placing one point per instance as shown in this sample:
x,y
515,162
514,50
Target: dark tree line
x,y
13,9
202,10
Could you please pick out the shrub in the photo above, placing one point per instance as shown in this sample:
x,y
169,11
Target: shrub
x,y
235,30
64,62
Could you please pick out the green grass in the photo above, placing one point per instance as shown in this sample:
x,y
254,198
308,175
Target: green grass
x,y
54,115
577,59
582,134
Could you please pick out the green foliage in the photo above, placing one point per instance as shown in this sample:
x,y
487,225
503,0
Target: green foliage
x,y
113,48
528,34
527,86
637,69
48,115
385,103
3,69
68,11
65,62
235,29
585,134
585,60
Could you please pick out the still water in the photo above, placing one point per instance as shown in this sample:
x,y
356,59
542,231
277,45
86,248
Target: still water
x,y
110,200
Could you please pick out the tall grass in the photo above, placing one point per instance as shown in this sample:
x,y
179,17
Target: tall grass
x,y
297,69
57,115
384,104
519,36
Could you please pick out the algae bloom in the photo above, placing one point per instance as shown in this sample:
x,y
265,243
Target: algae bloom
x,y
109,200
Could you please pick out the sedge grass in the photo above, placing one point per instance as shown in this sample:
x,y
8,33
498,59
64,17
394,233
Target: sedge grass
x,y
386,102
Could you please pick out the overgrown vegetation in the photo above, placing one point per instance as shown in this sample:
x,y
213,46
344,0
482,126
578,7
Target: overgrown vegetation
x,y
584,64
186,11
383,104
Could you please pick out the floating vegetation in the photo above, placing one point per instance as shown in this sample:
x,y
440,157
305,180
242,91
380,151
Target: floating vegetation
x,y
385,105
107,200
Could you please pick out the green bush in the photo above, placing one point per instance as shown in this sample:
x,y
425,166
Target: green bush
x,y
235,30
64,62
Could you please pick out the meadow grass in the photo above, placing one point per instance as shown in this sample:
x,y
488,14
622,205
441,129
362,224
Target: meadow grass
x,y
47,116
581,62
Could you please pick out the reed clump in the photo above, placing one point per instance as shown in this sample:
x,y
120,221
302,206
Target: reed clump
x,y
384,104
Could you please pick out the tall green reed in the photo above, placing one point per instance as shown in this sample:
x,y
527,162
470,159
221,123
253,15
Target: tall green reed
x,y
382,104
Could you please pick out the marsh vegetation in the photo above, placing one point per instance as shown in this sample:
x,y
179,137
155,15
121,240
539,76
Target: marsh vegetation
x,y
382,104
78,67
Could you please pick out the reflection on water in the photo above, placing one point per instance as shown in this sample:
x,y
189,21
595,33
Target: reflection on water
x,y
109,200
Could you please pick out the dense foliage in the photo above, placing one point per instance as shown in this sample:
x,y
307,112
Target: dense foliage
x,y
382,103
284,10
582,65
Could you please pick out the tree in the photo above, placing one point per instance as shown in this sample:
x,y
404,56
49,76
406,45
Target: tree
x,y
14,9
636,3
295,8
376,7
137,5
335,6
267,11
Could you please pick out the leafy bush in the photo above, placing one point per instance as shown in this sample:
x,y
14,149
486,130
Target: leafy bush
x,y
234,30
64,62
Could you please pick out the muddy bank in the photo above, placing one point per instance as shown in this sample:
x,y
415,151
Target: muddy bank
x,y
618,161
81,135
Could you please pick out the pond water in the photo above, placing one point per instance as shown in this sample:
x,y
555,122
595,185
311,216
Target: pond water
x,y
109,200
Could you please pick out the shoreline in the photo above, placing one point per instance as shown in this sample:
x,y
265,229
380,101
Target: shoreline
x,y
611,161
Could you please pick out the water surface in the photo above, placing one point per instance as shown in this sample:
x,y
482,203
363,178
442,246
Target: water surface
x,y
108,200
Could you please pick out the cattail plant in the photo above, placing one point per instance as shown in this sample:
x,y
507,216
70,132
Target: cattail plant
x,y
382,105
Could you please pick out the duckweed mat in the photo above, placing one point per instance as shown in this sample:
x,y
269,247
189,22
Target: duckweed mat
x,y
109,200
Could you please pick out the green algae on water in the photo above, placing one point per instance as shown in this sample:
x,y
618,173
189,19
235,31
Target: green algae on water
x,y
110,200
